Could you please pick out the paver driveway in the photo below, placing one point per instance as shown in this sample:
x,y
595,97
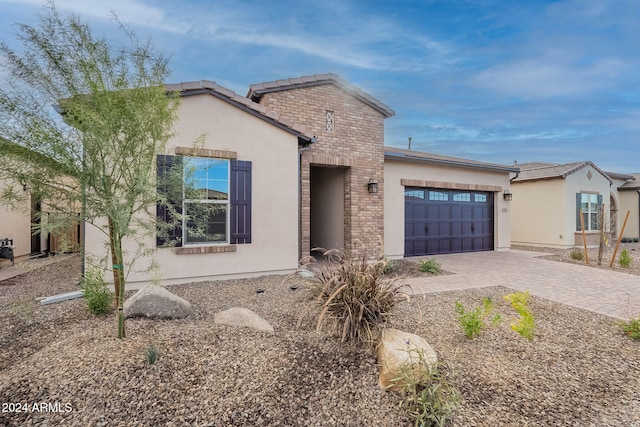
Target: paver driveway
x,y
606,292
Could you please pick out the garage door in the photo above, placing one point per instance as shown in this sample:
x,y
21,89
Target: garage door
x,y
441,221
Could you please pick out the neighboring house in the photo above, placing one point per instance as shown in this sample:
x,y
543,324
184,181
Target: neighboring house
x,y
15,224
304,165
548,198
627,199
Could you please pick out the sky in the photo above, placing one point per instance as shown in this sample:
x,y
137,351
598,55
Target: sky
x,y
490,80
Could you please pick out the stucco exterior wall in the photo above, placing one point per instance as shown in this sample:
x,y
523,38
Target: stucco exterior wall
x,y
274,156
396,171
629,200
544,211
16,224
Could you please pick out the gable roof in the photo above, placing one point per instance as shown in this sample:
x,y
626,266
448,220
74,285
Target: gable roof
x,y
535,171
393,153
631,184
257,90
243,103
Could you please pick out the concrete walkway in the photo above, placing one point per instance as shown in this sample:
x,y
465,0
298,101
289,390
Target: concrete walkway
x,y
606,292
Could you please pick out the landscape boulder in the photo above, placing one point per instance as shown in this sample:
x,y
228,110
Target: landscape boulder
x,y
395,350
156,301
238,316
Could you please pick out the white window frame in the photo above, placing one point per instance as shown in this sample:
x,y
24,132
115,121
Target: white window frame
x,y
588,226
227,203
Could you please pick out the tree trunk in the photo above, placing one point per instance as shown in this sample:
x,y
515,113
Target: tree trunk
x,y
118,273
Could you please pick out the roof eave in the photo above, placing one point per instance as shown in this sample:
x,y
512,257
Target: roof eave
x,y
449,162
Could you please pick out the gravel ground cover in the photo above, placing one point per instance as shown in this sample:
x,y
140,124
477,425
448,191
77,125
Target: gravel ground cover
x,y
579,370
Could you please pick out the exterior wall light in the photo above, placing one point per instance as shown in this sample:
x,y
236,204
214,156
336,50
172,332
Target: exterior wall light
x,y
372,186
508,196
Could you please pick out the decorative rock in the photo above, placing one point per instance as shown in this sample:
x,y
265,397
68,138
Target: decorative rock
x,y
393,352
238,316
157,302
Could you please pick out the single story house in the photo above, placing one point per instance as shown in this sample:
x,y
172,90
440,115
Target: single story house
x,y
301,163
548,199
626,198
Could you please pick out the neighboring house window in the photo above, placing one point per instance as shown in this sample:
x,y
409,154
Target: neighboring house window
x,y
216,192
590,204
330,121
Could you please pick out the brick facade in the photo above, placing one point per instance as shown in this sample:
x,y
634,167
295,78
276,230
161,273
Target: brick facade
x,y
356,143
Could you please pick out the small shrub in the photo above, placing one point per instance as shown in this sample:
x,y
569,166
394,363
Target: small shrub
x,y
526,324
472,322
428,393
626,240
430,266
386,265
576,254
151,355
631,328
625,259
355,298
636,239
96,294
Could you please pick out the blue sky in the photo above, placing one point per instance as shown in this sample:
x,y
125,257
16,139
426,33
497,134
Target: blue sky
x,y
491,80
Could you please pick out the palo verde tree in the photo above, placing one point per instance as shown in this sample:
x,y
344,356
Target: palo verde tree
x,y
81,122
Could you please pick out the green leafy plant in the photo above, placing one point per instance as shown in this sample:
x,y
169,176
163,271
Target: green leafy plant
x,y
430,266
427,390
151,355
96,294
355,298
631,328
625,259
525,325
576,254
386,265
473,321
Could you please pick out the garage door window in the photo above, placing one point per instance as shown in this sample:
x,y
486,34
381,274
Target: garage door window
x,y
438,195
462,197
414,194
481,198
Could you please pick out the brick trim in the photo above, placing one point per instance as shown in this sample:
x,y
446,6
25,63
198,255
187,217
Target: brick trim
x,y
449,185
205,152
326,160
187,250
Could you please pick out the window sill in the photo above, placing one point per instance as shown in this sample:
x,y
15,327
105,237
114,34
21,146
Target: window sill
x,y
217,249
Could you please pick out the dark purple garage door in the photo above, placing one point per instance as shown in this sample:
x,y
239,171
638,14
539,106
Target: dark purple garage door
x,y
441,221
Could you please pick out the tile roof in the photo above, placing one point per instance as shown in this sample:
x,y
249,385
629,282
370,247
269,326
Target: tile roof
x,y
631,184
419,156
536,170
257,90
227,95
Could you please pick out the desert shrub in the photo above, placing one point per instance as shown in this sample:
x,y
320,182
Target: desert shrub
x,y
430,266
355,298
151,355
526,324
428,393
473,321
386,265
576,254
636,239
626,240
631,328
625,259
96,294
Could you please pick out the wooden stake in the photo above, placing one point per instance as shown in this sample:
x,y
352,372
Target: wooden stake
x,y
626,217
584,238
601,245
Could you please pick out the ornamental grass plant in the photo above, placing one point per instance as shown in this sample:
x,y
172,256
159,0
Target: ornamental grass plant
x,y
354,296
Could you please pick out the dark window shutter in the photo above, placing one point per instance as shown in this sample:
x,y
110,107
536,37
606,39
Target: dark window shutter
x,y
578,203
240,200
169,181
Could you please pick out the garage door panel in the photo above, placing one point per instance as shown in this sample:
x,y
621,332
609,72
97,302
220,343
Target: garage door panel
x,y
447,221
